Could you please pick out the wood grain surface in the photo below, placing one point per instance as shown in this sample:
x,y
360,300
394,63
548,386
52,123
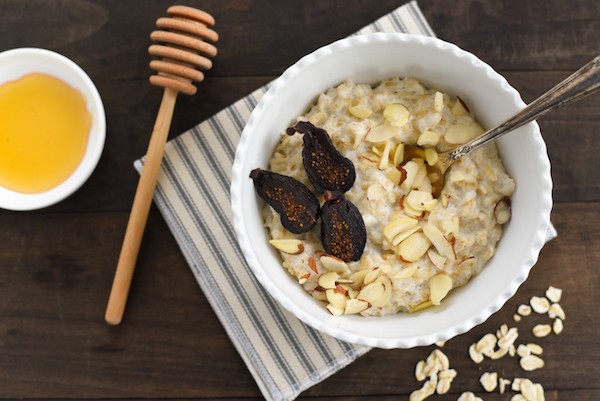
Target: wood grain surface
x,y
57,264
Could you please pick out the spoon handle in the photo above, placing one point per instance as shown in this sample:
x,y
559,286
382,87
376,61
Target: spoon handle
x,y
581,83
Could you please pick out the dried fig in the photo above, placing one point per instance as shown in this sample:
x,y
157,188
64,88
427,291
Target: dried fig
x,y
343,231
327,169
297,205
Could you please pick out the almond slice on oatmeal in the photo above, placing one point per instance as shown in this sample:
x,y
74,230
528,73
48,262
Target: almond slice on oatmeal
x,y
406,272
354,306
441,244
336,299
381,133
385,156
405,234
398,226
418,199
398,154
327,280
360,111
428,138
396,114
291,246
411,168
371,292
439,286
414,247
459,134
333,263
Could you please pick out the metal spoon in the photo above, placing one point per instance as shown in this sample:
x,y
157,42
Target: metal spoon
x,y
581,83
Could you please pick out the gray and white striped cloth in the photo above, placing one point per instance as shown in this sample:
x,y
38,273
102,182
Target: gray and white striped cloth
x,y
284,355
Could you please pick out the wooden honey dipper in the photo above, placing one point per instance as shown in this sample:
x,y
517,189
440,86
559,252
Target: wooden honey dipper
x,y
184,34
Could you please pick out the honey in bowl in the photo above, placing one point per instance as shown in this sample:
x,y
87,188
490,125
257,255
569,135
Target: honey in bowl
x,y
44,130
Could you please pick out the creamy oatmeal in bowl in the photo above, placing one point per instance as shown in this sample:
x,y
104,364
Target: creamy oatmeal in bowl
x,y
338,85
418,247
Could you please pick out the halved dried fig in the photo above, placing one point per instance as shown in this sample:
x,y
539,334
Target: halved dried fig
x,y
343,231
297,205
327,169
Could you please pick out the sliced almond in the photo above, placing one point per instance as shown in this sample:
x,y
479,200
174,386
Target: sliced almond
x,y
394,175
398,154
414,247
384,299
336,299
354,306
459,108
417,199
438,102
327,280
385,156
398,226
421,173
333,264
371,292
431,156
381,133
360,111
411,169
290,246
438,260
396,114
428,138
405,234
420,306
502,211
371,276
358,277
554,294
459,134
441,244
406,272
439,286
334,310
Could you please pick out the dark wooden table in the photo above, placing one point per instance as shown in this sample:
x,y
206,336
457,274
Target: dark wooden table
x,y
57,264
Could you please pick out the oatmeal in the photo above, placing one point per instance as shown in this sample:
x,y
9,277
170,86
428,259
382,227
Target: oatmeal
x,y
418,246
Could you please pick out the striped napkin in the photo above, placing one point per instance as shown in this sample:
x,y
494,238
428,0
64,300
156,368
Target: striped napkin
x,y
284,355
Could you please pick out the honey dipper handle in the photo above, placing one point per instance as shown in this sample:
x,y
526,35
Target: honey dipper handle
x,y
140,209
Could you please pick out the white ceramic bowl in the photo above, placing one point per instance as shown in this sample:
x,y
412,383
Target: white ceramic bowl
x,y
19,62
440,65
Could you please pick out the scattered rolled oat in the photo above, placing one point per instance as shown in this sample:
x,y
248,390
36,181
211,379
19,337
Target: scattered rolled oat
x,y
554,294
535,349
539,304
468,396
524,310
489,381
517,317
428,389
475,355
557,326
556,310
523,350
502,383
531,362
541,330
